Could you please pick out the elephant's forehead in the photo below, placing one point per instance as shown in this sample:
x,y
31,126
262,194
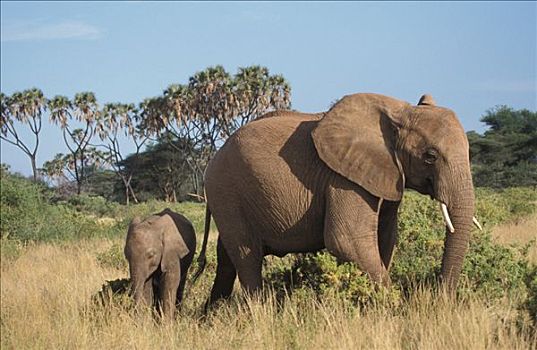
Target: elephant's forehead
x,y
142,233
442,130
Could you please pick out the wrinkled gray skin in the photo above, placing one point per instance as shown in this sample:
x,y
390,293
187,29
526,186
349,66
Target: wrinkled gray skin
x,y
160,250
293,182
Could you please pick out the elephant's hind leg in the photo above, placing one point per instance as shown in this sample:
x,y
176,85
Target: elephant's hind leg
x,y
240,248
225,276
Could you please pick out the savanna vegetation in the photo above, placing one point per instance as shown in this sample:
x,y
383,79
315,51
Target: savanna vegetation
x,y
56,257
62,234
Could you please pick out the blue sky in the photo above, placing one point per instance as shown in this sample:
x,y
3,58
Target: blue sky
x,y
469,56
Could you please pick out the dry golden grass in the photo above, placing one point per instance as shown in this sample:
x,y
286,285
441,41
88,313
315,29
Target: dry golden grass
x,y
46,303
521,232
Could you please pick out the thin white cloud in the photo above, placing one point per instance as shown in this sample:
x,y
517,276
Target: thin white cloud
x,y
37,30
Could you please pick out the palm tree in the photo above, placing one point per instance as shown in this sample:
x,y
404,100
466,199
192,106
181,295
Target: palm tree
x,y
83,109
26,108
114,118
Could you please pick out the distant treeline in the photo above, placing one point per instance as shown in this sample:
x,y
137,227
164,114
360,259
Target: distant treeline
x,y
175,134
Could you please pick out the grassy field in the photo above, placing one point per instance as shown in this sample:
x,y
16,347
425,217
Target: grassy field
x,y
48,285
518,232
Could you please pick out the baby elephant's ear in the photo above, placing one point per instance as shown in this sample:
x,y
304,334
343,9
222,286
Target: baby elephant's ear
x,y
427,100
174,247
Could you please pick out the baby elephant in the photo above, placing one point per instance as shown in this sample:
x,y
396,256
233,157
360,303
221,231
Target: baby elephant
x,y
160,250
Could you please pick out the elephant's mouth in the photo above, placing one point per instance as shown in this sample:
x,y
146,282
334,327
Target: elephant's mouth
x,y
429,187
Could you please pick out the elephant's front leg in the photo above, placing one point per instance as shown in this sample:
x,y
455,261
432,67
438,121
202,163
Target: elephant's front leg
x,y
350,230
168,290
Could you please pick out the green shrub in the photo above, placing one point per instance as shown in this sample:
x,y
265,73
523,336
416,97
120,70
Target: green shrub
x,y
113,258
321,274
95,205
510,204
489,269
494,270
26,215
21,207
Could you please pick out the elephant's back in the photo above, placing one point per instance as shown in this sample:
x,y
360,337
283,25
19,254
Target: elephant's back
x,y
267,146
270,172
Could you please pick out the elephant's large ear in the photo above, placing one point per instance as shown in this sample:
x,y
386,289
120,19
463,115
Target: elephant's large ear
x,y
357,137
173,245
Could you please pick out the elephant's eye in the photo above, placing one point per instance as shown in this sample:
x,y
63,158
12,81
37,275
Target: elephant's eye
x,y
430,156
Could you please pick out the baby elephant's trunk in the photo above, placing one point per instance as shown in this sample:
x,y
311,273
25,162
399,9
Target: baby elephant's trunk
x,y
141,290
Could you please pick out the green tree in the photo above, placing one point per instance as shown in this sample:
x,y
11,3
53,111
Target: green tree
x,y
26,108
66,169
506,154
161,170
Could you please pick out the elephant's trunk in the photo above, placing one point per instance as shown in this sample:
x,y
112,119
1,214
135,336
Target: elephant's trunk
x,y
460,206
142,289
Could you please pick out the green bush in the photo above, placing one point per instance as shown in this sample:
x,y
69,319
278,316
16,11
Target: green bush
x,y
510,204
494,270
322,275
21,204
95,205
27,215
113,258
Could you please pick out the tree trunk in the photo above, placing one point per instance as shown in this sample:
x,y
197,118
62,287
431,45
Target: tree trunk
x,y
34,167
132,192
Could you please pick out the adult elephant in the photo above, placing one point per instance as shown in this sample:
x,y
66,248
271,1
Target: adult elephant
x,y
296,182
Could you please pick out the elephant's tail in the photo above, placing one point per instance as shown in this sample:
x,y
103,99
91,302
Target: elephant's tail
x,y
202,256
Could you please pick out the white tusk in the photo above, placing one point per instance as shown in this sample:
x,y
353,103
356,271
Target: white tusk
x,y
477,224
445,214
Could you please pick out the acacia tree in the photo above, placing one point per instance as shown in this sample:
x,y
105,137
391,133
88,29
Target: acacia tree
x,y
506,154
27,108
160,171
116,118
165,117
64,169
83,109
